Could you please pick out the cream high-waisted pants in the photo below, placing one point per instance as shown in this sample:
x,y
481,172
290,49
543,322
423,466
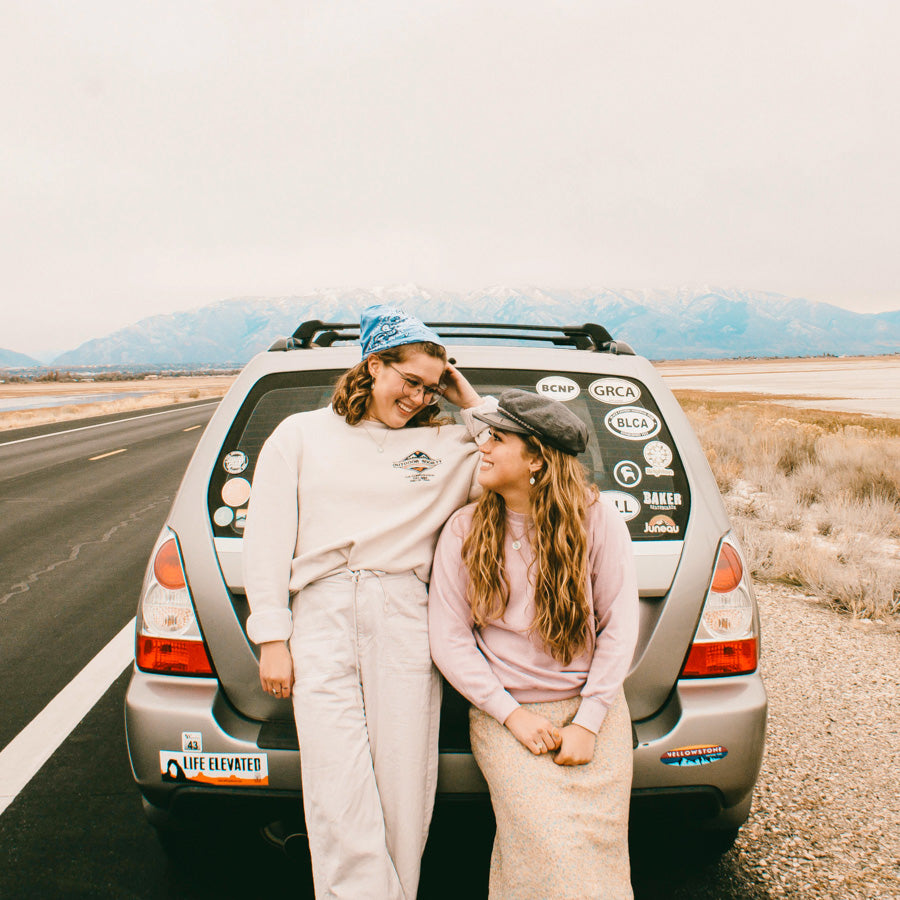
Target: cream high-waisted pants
x,y
367,704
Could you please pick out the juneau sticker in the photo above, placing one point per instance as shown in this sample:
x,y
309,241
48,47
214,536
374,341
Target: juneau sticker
x,y
558,387
632,423
614,391
235,462
699,755
236,769
661,525
627,473
627,505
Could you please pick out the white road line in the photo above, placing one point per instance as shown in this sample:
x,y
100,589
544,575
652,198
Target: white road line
x,y
21,759
104,455
165,412
192,428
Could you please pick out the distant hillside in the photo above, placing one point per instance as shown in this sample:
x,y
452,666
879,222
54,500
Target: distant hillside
x,y
683,323
9,359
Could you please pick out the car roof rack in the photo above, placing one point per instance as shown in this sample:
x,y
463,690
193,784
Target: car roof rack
x,y
589,336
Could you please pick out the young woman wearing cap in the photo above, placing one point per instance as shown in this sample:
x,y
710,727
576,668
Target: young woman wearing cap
x,y
533,618
346,506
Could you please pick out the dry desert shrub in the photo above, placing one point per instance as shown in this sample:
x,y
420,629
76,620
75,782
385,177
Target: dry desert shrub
x,y
815,501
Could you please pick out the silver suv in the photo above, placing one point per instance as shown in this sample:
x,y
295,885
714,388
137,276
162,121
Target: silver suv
x,y
202,733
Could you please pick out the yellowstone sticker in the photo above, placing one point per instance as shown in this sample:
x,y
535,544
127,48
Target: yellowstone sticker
x,y
235,462
700,755
236,769
661,525
662,499
614,391
236,491
627,473
632,423
417,465
658,455
558,387
627,505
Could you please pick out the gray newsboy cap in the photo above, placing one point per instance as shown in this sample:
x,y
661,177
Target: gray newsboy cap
x,y
550,421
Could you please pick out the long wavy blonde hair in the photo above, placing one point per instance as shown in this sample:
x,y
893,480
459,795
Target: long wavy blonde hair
x,y
560,498
353,389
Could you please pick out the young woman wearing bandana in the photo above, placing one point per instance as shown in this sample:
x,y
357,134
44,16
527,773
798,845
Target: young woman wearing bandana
x,y
346,507
533,616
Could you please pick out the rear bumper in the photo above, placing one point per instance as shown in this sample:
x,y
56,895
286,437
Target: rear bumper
x,y
724,716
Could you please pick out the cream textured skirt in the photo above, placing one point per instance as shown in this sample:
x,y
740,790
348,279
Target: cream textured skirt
x,y
562,831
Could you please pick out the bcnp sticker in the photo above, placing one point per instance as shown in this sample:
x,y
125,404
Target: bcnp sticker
x,y
632,423
240,769
558,387
701,755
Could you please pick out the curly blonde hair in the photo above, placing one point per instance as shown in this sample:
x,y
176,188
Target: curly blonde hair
x,y
560,498
353,389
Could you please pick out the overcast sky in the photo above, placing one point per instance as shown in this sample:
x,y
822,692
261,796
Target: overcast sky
x,y
162,155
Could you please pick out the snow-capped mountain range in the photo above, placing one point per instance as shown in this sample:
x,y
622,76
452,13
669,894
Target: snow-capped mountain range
x,y
682,323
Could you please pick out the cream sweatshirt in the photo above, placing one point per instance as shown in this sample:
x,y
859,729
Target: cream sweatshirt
x,y
329,496
502,665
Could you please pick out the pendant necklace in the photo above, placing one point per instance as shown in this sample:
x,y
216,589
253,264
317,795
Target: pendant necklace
x,y
380,446
517,538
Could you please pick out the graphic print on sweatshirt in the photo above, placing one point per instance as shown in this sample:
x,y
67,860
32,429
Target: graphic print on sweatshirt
x,y
418,465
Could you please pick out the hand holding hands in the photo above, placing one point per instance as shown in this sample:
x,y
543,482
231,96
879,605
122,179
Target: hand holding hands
x,y
534,732
276,669
576,746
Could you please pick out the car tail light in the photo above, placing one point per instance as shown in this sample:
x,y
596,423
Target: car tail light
x,y
726,641
168,638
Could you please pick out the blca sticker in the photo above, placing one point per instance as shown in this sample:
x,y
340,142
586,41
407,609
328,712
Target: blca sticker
x,y
417,465
558,387
632,423
627,505
614,391
699,755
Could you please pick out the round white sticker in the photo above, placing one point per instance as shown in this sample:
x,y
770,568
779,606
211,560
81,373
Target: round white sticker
x,y
223,516
558,387
236,491
632,423
235,462
614,391
627,473
627,505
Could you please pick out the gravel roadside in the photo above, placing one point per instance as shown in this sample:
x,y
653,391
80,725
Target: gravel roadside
x,y
826,813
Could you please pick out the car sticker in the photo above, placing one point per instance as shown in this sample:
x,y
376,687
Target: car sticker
x,y
223,516
237,769
627,505
661,525
659,456
632,423
627,473
235,462
236,491
662,499
240,519
699,755
191,741
614,391
558,387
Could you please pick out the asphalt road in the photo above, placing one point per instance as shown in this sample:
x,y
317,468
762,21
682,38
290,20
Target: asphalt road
x,y
75,535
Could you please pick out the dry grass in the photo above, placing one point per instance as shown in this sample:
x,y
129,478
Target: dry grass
x,y
814,497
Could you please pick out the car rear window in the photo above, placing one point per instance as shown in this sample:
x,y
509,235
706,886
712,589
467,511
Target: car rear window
x,y
630,454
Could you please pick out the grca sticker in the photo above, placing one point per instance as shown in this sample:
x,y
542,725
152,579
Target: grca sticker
x,y
662,499
627,473
237,769
701,755
659,456
661,525
632,423
235,462
223,516
614,391
558,387
236,491
627,505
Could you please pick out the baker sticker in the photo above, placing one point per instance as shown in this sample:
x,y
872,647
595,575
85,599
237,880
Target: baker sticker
x,y
699,755
614,391
235,462
627,473
627,505
661,525
659,456
632,423
558,387
234,769
662,499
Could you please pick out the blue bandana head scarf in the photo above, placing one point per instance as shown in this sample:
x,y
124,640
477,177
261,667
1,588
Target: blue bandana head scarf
x,y
381,327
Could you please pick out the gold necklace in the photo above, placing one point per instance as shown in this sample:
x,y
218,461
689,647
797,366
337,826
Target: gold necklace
x,y
387,431
517,538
